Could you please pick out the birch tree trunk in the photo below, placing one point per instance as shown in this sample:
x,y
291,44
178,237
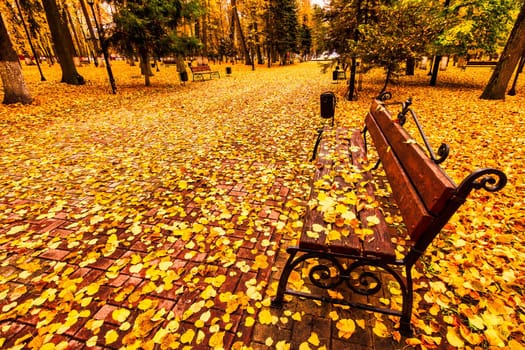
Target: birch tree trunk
x,y
15,89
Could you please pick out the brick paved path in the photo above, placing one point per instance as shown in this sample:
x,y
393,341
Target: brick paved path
x,y
160,219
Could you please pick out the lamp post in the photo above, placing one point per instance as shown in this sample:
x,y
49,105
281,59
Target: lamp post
x,y
104,47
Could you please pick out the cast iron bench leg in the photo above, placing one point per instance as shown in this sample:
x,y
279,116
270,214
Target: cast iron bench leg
x,y
404,323
277,302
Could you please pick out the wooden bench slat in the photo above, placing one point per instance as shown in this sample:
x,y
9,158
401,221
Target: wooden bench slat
x,y
344,145
433,186
339,149
414,212
349,244
379,244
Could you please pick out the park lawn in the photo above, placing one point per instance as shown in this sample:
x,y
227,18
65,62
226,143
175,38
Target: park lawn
x,y
155,215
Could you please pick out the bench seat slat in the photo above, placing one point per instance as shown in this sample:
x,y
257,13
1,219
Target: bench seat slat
x,y
379,244
333,158
348,244
413,210
433,186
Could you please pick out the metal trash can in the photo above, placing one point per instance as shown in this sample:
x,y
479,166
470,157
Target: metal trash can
x,y
327,105
228,70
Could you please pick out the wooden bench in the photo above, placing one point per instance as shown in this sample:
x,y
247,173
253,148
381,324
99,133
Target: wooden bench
x,y
169,61
201,71
347,245
339,75
85,61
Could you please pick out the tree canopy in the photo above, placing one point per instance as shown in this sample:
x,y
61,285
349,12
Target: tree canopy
x,y
148,29
385,33
377,33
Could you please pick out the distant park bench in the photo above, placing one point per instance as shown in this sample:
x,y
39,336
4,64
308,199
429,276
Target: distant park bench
x,y
480,64
201,71
338,74
346,240
169,61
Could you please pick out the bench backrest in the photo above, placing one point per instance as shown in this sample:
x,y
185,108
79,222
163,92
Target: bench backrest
x,y
421,188
425,195
202,68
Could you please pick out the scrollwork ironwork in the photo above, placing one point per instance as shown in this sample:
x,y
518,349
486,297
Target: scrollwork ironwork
x,y
366,283
384,96
359,280
489,179
325,276
443,152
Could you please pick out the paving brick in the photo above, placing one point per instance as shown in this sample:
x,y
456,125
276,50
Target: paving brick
x,y
118,253
102,263
20,335
245,254
104,313
230,285
322,326
81,322
119,281
139,247
84,334
73,344
262,332
101,337
9,329
60,232
345,344
283,192
90,276
49,224
54,254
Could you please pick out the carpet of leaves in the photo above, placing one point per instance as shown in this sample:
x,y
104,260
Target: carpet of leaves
x,y
153,218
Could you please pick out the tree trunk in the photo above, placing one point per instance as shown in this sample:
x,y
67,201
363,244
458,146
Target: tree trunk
x,y
352,91
30,41
79,47
90,28
411,65
145,68
435,70
247,58
512,91
257,45
15,90
205,35
387,80
62,45
497,85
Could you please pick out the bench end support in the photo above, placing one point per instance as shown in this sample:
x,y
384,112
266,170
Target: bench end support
x,y
405,329
490,179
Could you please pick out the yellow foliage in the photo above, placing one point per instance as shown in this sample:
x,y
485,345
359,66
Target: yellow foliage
x,y
220,167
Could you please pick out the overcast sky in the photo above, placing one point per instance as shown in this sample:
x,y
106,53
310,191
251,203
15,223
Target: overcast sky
x,y
318,2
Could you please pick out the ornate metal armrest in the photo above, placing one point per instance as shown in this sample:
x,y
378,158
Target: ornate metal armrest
x,y
490,179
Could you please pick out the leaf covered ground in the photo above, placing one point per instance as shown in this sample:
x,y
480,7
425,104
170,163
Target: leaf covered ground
x,y
158,217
